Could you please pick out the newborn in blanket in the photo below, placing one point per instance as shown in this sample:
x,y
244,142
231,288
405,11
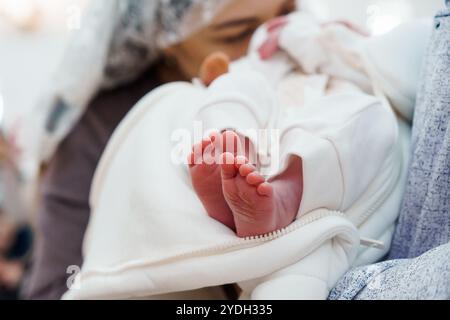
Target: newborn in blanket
x,y
301,157
313,62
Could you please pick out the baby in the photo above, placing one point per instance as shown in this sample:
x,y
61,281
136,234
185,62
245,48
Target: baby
x,y
230,187
329,178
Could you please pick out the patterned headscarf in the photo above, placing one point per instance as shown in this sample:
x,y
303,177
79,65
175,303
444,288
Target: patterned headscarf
x,y
118,40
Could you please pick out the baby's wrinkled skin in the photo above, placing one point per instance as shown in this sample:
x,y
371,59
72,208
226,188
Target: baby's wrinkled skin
x,y
231,190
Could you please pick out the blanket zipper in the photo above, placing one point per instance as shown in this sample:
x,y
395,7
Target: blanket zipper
x,y
361,218
237,243
303,221
256,240
308,219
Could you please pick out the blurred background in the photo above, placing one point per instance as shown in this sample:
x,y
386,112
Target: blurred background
x,y
33,35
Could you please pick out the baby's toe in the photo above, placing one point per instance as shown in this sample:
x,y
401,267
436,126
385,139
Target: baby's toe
x,y
198,151
265,189
246,169
228,166
255,178
231,142
240,160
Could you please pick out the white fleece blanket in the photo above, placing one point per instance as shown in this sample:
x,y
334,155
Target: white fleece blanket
x,y
149,235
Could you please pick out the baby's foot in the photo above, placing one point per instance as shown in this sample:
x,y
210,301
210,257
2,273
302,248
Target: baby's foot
x,y
258,206
215,65
206,177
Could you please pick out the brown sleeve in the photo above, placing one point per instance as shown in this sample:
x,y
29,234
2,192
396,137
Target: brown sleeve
x,y
63,212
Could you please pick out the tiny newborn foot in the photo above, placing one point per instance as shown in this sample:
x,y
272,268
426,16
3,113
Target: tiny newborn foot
x,y
206,177
258,206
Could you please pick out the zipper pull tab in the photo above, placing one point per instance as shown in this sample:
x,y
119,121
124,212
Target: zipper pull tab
x,y
372,243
